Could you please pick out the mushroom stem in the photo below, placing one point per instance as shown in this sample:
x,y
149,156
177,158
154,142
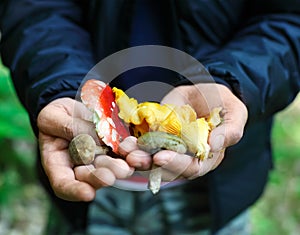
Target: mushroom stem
x,y
152,142
155,179
100,150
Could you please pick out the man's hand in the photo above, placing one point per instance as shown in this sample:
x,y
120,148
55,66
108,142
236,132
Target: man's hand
x,y
203,98
58,123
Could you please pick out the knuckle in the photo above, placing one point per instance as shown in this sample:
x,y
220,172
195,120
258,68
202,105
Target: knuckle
x,y
103,177
121,169
68,130
42,117
194,170
56,187
236,136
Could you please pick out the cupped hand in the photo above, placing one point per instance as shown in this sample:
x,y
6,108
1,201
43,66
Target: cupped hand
x,y
203,98
58,123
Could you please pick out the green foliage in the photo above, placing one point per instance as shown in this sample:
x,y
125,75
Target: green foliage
x,y
17,143
278,211
13,118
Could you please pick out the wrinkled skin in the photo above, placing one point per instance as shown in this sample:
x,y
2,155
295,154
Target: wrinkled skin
x,y
65,118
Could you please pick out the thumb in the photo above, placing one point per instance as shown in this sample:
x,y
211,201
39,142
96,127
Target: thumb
x,y
225,135
175,97
58,119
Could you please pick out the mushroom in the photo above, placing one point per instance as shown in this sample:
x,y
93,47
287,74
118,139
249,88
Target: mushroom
x,y
83,148
152,142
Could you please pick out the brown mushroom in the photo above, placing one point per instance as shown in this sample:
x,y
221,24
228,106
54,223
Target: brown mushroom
x,y
83,148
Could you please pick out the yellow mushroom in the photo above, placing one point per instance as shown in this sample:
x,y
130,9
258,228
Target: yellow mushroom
x,y
181,121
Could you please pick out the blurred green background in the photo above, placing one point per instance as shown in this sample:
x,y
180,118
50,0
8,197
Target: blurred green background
x,y
24,205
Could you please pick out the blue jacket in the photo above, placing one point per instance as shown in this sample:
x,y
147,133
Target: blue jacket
x,y
251,46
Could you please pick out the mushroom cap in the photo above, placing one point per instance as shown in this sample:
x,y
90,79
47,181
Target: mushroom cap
x,y
82,149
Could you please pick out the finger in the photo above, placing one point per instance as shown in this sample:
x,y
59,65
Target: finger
x,y
139,159
73,108
128,145
225,135
73,190
206,166
57,119
180,164
219,156
81,111
232,128
118,167
176,97
58,168
98,178
202,167
82,118
169,176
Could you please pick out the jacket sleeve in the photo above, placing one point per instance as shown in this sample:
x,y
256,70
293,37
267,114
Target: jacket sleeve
x,y
261,62
46,47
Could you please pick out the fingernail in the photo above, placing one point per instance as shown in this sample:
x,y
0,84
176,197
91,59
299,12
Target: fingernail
x,y
217,143
162,158
137,165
